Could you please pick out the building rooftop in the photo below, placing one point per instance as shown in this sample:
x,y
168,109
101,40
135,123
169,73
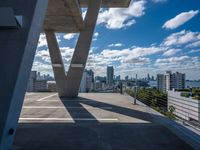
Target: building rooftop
x,y
103,121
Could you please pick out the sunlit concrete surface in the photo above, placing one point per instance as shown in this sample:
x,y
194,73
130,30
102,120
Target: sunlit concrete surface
x,y
91,121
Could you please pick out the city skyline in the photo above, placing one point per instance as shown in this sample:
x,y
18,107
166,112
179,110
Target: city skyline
x,y
148,76
170,42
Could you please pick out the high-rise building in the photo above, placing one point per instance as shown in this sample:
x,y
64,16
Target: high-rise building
x,y
35,83
148,77
170,81
91,74
87,81
126,78
101,79
110,75
152,78
118,78
178,80
31,81
33,75
161,82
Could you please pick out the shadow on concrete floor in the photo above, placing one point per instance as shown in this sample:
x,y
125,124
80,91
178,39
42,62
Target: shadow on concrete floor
x,y
95,135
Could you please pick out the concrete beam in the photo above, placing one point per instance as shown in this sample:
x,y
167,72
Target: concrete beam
x,y
63,16
57,63
82,48
108,3
17,53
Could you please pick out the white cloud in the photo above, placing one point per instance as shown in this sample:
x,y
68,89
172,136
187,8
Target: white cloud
x,y
139,60
42,67
194,44
171,52
96,34
134,55
180,19
117,18
186,63
194,51
159,1
42,40
132,60
134,52
69,36
173,59
146,51
43,55
115,45
181,38
125,58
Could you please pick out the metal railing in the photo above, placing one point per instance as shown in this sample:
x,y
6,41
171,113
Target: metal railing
x,y
174,110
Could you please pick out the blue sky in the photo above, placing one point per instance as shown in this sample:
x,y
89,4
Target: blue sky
x,y
148,37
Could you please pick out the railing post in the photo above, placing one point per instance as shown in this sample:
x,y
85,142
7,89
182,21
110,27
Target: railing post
x,y
135,90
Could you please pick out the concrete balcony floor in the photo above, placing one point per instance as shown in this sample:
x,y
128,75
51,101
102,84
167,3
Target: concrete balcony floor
x,y
94,121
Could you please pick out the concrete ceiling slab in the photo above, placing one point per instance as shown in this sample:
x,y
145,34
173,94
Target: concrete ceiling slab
x,y
108,3
65,15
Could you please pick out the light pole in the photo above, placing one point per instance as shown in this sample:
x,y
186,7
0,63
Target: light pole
x,y
135,90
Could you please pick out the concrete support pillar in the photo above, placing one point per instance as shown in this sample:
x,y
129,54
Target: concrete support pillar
x,y
18,42
82,48
68,85
57,63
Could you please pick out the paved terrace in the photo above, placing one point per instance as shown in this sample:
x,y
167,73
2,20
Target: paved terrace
x,y
93,121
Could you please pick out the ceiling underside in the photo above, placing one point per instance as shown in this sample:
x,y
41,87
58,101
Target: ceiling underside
x,y
65,15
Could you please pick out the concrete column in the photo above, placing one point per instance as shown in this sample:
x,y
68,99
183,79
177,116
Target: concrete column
x,y
57,63
82,48
17,48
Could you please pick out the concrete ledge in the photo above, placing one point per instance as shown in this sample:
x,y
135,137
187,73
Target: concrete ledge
x,y
190,137
109,3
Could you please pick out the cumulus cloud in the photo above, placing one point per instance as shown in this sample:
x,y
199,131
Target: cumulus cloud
x,y
129,57
171,52
133,59
42,58
43,42
194,44
174,59
181,38
178,63
67,53
117,18
180,19
159,1
96,34
43,55
115,45
69,36
194,51
42,67
139,60
134,52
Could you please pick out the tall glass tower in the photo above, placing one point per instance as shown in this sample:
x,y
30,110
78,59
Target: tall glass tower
x,y
110,75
